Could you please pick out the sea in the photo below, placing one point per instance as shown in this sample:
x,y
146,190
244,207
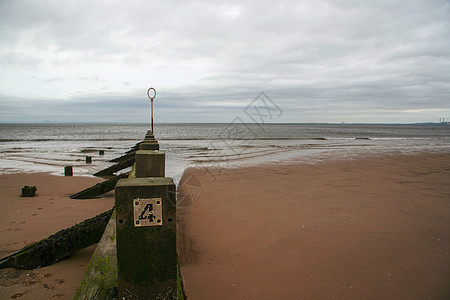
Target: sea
x,y
49,147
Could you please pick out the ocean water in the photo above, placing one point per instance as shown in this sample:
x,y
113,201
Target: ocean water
x,y
49,147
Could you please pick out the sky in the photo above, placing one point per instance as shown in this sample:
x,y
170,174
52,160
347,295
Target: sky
x,y
214,61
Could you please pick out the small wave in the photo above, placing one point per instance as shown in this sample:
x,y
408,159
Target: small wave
x,y
65,140
249,138
88,150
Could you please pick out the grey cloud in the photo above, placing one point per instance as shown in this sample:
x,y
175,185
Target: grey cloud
x,y
313,57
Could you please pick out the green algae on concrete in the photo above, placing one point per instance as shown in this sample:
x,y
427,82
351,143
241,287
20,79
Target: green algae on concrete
x,y
180,287
100,279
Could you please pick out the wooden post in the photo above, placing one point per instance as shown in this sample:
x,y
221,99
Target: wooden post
x,y
68,171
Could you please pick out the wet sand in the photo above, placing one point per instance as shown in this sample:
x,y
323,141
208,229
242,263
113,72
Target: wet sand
x,y
369,228
372,228
26,220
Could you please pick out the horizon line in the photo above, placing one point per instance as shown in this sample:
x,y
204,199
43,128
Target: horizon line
x,y
247,123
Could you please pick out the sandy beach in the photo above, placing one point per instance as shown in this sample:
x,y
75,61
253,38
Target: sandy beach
x,y
26,220
372,228
369,228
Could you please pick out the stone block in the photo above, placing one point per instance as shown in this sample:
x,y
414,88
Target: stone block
x,y
146,255
149,146
150,163
149,134
148,140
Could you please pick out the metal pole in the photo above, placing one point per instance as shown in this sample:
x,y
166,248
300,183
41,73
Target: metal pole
x,y
151,100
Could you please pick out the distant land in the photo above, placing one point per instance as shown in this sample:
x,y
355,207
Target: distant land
x,y
287,123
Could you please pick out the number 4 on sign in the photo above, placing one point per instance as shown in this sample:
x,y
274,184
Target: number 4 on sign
x,y
148,208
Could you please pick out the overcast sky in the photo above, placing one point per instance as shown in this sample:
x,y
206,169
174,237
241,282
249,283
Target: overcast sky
x,y
318,61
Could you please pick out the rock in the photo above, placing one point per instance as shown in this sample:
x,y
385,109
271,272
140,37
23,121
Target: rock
x,y
29,191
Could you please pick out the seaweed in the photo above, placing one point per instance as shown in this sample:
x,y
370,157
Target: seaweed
x,y
60,245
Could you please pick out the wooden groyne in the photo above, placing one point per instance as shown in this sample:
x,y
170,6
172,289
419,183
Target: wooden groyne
x,y
62,244
138,261
99,189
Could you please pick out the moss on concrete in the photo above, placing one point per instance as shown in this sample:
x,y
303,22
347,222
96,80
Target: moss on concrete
x,y
180,288
100,278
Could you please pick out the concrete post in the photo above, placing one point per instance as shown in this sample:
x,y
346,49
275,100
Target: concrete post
x,y
149,143
146,238
149,134
148,146
150,163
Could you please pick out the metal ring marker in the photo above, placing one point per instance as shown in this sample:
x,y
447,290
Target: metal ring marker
x,y
151,100
148,93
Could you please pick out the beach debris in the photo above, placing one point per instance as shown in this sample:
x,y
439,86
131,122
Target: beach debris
x,y
62,244
29,191
99,189
88,159
68,171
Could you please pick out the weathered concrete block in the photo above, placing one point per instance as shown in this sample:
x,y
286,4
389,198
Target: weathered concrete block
x,y
149,134
149,146
147,140
68,171
150,163
29,191
146,255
